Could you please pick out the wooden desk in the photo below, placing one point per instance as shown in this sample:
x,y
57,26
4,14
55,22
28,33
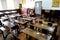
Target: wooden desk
x,y
51,29
37,35
21,22
46,23
29,19
53,24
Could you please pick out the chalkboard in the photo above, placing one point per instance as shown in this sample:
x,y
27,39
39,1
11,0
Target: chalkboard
x,y
38,7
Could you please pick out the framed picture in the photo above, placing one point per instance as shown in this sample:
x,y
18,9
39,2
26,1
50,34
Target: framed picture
x,y
55,3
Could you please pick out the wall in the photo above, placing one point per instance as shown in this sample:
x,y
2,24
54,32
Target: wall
x,y
12,4
30,4
16,3
46,4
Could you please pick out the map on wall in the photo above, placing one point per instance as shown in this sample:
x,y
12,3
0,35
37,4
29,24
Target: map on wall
x,y
55,3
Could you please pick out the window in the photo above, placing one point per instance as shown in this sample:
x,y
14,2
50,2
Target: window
x,y
1,6
9,4
4,5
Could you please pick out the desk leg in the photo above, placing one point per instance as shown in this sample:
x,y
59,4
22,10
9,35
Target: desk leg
x,y
27,36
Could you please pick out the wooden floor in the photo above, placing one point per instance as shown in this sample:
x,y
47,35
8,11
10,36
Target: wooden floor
x,y
22,36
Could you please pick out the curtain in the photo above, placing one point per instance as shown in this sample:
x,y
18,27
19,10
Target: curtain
x,y
10,4
23,1
1,5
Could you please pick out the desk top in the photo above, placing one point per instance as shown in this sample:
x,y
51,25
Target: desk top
x,y
22,22
46,23
29,18
51,29
2,28
35,34
7,23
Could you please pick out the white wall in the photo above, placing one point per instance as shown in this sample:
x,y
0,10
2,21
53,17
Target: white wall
x,y
46,4
29,4
16,3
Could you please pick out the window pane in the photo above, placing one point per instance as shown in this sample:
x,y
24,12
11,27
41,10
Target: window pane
x,y
4,4
1,5
10,4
